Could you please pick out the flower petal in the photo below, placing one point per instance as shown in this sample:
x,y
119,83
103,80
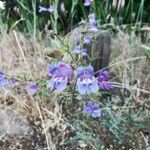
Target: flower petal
x,y
58,84
80,70
90,69
94,86
52,70
87,3
65,69
81,88
96,113
41,8
32,88
92,108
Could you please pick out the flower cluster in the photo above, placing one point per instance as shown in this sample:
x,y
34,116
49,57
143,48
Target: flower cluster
x,y
80,51
61,74
92,22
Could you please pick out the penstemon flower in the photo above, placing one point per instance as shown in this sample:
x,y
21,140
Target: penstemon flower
x,y
92,18
86,40
102,81
6,83
32,88
61,73
3,81
86,82
78,50
92,109
87,2
44,9
58,83
92,22
93,27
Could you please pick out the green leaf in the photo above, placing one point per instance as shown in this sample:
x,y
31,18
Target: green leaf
x,y
147,48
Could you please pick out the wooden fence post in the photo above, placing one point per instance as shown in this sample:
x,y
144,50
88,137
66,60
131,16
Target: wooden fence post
x,y
99,49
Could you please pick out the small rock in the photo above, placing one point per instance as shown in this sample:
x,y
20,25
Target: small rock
x,y
13,124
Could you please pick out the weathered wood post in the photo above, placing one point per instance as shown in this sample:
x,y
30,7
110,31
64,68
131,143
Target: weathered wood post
x,y
99,49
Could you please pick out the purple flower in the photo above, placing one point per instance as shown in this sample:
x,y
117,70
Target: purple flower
x,y
92,109
60,69
53,70
32,88
103,75
61,73
41,8
86,82
102,80
3,81
51,8
86,40
87,2
58,83
92,18
6,83
78,50
93,27
44,9
92,22
12,83
84,52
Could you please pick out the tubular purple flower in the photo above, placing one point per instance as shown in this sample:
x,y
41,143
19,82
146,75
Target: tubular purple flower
x,y
102,81
65,69
6,83
84,52
93,27
86,82
41,8
92,18
53,70
60,69
3,81
58,83
12,82
88,69
92,22
44,9
86,40
87,2
103,75
77,49
50,8
92,109
61,73
32,88
104,85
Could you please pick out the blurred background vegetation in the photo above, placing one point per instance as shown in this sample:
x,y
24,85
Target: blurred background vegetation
x,y
24,14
